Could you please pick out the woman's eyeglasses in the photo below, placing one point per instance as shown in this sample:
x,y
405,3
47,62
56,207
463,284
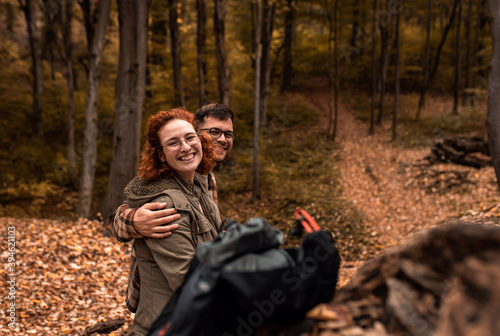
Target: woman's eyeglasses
x,y
190,140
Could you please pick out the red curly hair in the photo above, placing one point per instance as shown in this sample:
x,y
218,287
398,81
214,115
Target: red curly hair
x,y
151,168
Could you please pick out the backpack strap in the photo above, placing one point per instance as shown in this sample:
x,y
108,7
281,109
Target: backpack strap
x,y
304,222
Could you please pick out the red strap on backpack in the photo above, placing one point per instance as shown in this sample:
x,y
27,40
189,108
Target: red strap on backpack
x,y
306,220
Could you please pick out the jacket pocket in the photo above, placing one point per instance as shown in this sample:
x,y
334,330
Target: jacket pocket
x,y
204,226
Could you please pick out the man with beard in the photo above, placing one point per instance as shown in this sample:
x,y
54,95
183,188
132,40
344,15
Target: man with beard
x,y
151,219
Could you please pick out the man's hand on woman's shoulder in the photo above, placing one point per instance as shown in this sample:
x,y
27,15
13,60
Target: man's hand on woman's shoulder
x,y
150,220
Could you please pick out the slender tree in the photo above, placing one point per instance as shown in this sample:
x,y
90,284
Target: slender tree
x,y
175,41
458,59
256,112
51,13
374,69
384,61
29,8
201,33
159,19
428,80
90,132
158,44
426,65
330,18
397,79
355,23
268,10
493,118
89,20
336,59
287,76
477,44
468,24
224,77
10,18
130,81
332,67
68,47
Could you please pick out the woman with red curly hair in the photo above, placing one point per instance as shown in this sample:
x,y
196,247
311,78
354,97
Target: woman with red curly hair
x,y
174,160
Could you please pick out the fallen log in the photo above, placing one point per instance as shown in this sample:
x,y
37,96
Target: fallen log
x,y
471,152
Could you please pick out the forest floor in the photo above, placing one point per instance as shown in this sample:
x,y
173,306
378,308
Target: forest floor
x,y
397,191
70,275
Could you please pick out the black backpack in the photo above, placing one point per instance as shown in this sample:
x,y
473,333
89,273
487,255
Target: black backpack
x,y
242,280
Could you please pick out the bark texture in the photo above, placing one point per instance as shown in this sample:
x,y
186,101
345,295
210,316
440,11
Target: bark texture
x,y
256,112
265,67
90,132
201,36
287,76
30,14
130,92
224,78
493,118
175,40
68,11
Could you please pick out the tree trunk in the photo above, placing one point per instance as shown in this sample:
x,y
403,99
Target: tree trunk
x,y
426,64
256,112
67,34
287,76
477,44
89,19
374,69
10,18
336,59
484,20
458,60
265,77
220,52
175,40
331,80
355,23
130,80
468,97
398,67
90,132
201,34
329,131
29,9
158,32
427,83
49,32
384,63
493,118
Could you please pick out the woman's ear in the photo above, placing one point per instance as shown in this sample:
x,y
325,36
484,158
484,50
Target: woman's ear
x,y
162,156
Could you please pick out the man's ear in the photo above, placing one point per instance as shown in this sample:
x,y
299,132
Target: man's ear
x,y
198,125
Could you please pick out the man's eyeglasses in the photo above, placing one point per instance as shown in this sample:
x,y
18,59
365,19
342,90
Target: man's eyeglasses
x,y
175,144
216,133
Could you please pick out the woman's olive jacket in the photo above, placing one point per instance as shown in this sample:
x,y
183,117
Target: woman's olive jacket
x,y
163,263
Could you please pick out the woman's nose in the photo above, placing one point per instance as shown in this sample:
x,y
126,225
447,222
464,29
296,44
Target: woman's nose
x,y
185,145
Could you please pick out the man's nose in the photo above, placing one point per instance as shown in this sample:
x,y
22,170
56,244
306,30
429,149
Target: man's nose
x,y
222,138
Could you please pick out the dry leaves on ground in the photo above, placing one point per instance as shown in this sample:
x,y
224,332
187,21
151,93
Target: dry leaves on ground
x,y
69,277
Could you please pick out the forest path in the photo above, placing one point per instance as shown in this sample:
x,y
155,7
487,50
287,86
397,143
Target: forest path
x,y
394,188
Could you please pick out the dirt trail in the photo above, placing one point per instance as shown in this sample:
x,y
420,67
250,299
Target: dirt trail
x,y
393,186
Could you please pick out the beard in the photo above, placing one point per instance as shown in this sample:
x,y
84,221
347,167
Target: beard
x,y
220,152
